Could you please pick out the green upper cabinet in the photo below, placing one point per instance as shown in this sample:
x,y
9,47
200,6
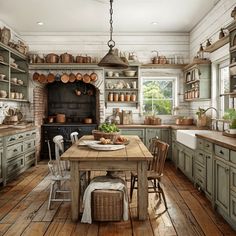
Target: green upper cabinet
x,y
13,74
197,81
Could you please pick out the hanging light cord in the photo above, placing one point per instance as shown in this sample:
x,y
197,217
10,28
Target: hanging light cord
x,y
111,42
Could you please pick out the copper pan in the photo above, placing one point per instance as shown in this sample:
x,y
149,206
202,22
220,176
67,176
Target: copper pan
x,y
35,76
72,77
79,76
86,78
65,78
50,78
42,79
94,76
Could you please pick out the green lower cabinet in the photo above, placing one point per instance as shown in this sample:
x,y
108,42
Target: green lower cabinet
x,y
174,152
233,205
209,175
185,160
222,185
138,132
162,134
1,157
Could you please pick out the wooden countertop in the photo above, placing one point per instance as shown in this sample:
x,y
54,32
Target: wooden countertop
x,y
13,130
172,126
220,139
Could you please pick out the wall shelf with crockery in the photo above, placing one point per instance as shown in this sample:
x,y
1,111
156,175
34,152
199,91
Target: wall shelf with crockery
x,y
122,87
164,66
13,65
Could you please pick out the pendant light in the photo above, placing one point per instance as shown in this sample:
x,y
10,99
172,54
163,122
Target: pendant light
x,y
110,60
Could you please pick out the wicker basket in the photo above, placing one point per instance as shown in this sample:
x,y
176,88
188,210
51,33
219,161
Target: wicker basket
x,y
99,134
107,205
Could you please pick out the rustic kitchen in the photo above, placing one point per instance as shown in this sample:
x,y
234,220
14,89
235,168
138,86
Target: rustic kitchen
x,y
118,117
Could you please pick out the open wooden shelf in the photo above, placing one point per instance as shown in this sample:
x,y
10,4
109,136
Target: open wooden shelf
x,y
218,44
197,62
162,66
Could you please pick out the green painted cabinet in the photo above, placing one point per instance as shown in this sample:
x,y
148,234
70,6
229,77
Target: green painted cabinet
x,y
1,157
222,185
134,131
185,157
162,133
203,166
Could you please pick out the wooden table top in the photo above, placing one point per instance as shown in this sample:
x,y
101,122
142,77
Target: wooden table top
x,y
134,151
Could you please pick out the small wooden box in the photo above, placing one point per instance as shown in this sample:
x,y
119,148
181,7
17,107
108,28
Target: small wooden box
x,y
107,205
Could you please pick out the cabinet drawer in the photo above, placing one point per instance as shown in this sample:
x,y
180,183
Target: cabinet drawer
x,y
207,146
200,181
15,166
222,152
29,158
200,157
200,143
199,170
30,134
29,145
232,157
14,150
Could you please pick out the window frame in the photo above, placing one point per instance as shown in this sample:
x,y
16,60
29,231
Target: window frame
x,y
174,80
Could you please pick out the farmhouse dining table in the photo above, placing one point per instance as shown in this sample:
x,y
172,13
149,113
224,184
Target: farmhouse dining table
x,y
134,157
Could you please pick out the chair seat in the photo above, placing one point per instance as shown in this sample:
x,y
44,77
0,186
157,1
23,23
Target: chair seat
x,y
150,175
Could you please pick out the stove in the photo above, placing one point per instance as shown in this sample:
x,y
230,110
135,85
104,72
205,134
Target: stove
x,y
50,130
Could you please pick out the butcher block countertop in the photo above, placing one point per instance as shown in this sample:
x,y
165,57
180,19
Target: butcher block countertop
x,y
12,130
220,139
164,126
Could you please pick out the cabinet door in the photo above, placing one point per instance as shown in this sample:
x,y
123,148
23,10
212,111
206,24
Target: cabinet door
x,y
222,185
1,154
181,161
188,163
209,175
152,133
174,152
233,179
233,205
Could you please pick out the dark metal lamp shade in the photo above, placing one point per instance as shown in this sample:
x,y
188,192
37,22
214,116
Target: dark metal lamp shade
x,y
110,60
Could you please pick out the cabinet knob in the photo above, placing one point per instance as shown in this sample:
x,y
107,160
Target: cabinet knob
x,y
226,169
221,152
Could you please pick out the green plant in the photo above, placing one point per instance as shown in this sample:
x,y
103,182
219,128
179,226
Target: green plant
x,y
200,112
108,128
230,115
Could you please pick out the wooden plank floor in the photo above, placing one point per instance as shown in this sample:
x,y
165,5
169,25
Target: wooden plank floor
x,y
23,211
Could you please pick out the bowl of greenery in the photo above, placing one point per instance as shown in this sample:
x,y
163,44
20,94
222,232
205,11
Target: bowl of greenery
x,y
107,131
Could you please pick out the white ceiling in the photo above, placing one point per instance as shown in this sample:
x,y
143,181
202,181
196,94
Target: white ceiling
x,y
93,15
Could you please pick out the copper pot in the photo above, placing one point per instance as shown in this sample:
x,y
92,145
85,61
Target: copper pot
x,y
60,118
66,58
39,59
52,58
88,120
79,59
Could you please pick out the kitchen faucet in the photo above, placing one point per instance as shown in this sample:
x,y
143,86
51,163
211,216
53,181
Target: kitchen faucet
x,y
216,119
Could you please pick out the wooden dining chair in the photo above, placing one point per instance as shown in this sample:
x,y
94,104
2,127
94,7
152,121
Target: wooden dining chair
x,y
155,170
60,174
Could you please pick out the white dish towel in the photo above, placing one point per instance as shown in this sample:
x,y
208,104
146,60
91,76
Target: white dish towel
x,y
103,182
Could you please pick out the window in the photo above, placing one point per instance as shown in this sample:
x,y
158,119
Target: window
x,y
158,95
224,87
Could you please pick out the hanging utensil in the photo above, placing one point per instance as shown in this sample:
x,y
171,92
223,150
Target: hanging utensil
x,y
65,78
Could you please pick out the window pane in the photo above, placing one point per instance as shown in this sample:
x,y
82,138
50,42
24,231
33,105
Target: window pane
x,y
158,107
158,89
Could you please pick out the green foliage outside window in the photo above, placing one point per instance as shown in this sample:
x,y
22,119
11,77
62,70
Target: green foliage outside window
x,y
158,97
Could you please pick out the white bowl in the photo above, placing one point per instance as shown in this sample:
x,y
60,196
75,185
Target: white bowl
x,y
129,73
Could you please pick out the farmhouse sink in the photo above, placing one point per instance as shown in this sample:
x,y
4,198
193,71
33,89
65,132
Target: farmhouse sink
x,y
188,138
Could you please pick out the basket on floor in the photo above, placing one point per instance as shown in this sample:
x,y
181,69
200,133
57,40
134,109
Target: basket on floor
x,y
107,205
99,134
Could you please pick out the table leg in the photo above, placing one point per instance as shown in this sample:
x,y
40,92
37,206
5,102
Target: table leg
x,y
75,190
142,190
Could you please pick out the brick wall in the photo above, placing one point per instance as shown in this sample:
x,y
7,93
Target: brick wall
x,y
40,98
